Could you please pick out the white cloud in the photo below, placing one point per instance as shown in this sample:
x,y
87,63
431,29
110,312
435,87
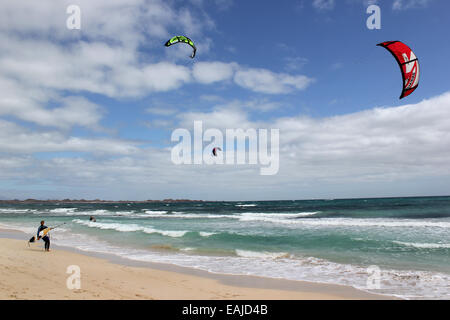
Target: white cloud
x,y
224,4
211,98
229,116
92,67
20,140
351,155
295,63
323,4
259,105
403,141
114,21
210,72
25,104
381,145
44,61
265,81
357,154
409,4
337,65
254,79
154,124
262,105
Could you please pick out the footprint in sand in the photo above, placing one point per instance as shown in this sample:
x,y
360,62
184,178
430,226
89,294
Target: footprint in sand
x,y
79,291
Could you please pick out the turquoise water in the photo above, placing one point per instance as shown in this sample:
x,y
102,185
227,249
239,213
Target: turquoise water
x,y
332,241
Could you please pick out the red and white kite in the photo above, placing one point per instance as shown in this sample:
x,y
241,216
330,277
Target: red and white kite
x,y
409,65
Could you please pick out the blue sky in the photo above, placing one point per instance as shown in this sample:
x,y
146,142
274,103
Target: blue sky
x,y
89,113
332,46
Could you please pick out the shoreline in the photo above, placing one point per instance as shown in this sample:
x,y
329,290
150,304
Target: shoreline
x,y
112,277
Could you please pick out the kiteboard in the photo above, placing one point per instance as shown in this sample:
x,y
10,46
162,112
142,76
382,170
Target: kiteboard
x,y
44,232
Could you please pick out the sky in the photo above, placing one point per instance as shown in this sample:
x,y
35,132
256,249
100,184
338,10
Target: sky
x,y
89,113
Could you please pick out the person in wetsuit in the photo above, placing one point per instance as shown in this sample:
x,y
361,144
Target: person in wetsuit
x,y
46,238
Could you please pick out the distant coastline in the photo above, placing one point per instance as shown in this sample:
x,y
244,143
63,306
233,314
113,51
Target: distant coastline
x,y
33,201
52,201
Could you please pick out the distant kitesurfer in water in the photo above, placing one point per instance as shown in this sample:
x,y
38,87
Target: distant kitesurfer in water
x,y
92,219
46,237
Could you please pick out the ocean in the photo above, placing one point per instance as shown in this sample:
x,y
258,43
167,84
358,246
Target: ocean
x,y
340,241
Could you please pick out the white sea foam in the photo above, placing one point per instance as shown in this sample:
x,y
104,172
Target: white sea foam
x,y
377,223
405,284
130,228
122,213
63,210
187,216
168,233
246,216
424,245
100,212
351,222
14,226
207,234
273,217
261,255
154,211
11,210
246,205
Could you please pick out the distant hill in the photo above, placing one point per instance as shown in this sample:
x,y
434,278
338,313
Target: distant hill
x,y
16,201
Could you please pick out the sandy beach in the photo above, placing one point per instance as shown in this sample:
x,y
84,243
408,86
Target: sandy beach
x,y
30,273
